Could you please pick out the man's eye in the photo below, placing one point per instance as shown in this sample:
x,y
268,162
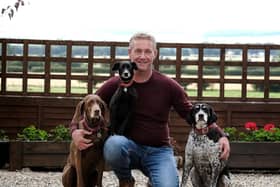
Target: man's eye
x,y
138,51
148,52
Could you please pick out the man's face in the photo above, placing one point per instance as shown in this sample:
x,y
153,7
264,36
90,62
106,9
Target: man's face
x,y
143,54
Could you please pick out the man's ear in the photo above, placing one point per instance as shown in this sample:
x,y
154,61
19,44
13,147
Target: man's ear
x,y
129,53
156,53
116,66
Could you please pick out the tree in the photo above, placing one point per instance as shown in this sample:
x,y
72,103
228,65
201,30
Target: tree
x,y
10,9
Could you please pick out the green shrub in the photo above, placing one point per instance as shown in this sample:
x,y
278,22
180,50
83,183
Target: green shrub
x,y
3,135
31,133
60,133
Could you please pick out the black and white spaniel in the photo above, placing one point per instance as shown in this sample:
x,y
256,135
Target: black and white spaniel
x,y
202,151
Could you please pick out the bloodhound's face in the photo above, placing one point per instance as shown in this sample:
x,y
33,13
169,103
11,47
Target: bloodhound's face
x,y
93,108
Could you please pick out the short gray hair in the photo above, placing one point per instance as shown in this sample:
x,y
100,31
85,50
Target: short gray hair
x,y
144,36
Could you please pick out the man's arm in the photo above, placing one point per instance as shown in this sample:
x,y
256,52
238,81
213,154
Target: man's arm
x,y
78,136
225,147
223,141
79,140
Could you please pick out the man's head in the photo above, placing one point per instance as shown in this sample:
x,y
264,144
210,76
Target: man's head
x,y
142,36
142,50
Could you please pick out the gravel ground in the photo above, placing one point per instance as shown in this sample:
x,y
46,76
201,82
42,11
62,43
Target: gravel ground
x,y
26,177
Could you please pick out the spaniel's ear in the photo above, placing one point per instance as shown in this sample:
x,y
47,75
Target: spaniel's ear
x,y
190,117
212,116
116,66
78,112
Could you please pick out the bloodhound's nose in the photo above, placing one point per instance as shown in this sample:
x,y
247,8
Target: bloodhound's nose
x,y
96,112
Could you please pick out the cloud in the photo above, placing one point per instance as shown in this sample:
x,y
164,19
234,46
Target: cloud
x,y
169,20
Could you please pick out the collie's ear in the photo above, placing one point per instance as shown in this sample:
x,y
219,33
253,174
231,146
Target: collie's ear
x,y
134,65
116,66
78,112
190,117
212,116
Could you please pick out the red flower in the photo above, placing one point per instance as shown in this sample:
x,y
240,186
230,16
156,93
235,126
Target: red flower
x,y
269,127
251,126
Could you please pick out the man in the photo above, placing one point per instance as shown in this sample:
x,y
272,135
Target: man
x,y
146,146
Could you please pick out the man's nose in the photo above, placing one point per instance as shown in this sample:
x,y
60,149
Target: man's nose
x,y
142,54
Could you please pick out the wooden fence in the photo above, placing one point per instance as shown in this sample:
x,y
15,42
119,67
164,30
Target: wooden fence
x,y
42,80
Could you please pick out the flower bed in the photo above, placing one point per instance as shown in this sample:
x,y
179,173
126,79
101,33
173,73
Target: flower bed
x,y
254,147
252,133
37,148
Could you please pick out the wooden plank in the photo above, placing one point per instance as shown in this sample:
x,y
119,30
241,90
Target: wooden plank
x,y
44,160
46,147
255,148
254,161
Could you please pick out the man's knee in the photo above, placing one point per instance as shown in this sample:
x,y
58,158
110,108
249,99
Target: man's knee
x,y
166,176
114,148
172,181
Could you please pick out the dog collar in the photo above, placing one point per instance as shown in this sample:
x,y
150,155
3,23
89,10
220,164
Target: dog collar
x,y
96,129
125,85
203,131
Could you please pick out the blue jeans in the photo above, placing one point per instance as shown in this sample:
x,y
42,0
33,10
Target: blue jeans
x,y
157,163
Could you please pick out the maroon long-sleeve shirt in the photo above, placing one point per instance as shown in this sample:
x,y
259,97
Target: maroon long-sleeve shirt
x,y
155,99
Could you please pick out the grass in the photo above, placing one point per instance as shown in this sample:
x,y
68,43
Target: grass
x,y
190,92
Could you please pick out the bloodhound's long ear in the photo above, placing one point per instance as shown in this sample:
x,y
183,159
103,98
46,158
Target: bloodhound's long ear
x,y
190,117
212,116
103,107
134,65
116,66
78,112
105,112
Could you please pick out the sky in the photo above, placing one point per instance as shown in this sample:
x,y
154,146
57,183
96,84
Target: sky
x,y
180,21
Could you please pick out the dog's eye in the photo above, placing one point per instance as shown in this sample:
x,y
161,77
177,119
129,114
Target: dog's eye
x,y
197,108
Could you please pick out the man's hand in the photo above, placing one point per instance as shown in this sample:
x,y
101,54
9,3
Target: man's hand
x,y
225,148
79,140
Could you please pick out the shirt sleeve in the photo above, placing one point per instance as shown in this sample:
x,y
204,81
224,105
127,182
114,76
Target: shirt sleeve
x,y
219,129
181,103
